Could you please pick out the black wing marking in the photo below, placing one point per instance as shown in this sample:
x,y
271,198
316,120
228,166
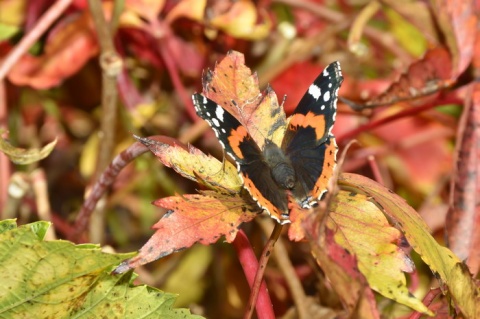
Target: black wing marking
x,y
251,165
308,141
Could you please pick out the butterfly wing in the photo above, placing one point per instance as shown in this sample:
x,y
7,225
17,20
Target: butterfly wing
x,y
308,141
239,145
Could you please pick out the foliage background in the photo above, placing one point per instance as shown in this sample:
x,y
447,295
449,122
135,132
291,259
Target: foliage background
x,y
152,54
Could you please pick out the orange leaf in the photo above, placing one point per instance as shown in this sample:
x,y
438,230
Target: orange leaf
x,y
65,53
233,86
192,219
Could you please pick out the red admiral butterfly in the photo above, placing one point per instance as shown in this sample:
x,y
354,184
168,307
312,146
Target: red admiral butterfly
x,y
305,160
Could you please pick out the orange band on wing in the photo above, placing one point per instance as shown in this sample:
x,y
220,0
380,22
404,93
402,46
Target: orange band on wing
x,y
236,137
329,163
310,119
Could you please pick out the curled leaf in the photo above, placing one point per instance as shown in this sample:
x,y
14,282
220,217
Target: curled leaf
x,y
425,76
23,156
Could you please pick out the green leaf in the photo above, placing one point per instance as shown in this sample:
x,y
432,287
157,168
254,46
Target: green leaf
x,y
7,31
7,224
23,156
58,279
39,228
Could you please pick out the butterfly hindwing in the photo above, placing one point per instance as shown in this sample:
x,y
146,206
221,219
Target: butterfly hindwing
x,y
238,143
308,141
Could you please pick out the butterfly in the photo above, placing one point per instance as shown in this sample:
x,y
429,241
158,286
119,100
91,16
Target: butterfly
x,y
304,161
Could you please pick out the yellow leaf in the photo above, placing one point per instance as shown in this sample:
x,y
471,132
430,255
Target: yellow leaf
x,y
362,228
23,156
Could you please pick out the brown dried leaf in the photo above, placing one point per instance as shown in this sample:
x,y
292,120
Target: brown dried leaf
x,y
426,76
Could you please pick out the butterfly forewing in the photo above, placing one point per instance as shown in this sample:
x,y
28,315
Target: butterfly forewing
x,y
251,165
308,141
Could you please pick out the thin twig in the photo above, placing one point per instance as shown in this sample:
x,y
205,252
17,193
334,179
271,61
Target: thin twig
x,y
410,111
4,162
28,40
291,278
103,183
262,265
427,300
249,264
111,65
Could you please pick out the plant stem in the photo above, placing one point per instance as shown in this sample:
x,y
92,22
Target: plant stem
x,y
250,265
262,265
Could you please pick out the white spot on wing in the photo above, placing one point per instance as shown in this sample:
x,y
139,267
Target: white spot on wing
x,y
219,113
314,91
205,100
215,122
326,96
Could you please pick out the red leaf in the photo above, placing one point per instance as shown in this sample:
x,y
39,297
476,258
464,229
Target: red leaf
x,y
192,219
426,76
458,21
292,86
65,53
463,219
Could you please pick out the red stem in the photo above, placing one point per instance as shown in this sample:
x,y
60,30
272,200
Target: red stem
x,y
250,265
410,111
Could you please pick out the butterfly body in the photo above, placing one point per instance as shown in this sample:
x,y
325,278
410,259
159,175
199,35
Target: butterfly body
x,y
301,164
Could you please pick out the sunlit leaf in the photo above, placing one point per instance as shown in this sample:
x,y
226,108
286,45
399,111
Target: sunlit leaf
x,y
362,228
409,36
23,156
440,259
233,86
196,165
58,279
191,219
340,267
